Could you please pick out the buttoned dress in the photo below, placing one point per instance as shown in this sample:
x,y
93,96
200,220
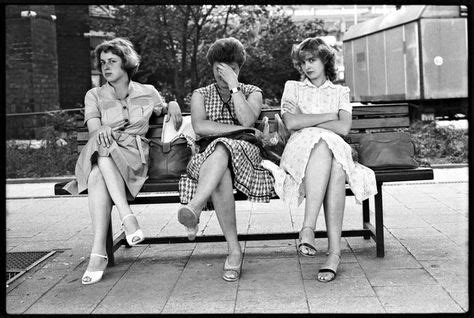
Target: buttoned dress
x,y
129,120
248,175
304,97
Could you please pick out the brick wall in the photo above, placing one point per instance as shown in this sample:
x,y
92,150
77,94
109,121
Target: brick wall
x,y
74,71
31,67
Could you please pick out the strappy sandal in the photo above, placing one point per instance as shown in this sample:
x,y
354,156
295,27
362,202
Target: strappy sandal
x,y
232,272
309,246
91,277
329,269
188,217
134,238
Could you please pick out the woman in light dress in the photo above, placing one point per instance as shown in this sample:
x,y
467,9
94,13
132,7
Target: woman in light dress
x,y
316,161
113,165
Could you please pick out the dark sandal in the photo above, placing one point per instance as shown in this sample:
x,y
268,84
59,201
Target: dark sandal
x,y
188,217
328,269
306,244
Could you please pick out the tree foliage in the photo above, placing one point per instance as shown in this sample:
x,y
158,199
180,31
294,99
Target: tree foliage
x,y
173,41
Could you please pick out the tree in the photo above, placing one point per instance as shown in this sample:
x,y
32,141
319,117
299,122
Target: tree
x,y
173,41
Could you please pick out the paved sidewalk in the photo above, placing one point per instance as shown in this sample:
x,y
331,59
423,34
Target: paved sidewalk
x,y
424,270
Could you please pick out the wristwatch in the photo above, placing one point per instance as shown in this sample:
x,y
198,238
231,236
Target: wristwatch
x,y
235,90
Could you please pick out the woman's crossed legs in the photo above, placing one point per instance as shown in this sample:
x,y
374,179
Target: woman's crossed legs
x,y
325,184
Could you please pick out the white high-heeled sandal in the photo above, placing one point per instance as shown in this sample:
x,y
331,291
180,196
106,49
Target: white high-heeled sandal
x,y
130,237
91,277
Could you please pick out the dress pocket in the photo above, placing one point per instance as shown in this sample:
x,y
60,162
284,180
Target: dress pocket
x,y
112,112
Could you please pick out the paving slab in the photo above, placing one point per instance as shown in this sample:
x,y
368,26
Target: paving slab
x,y
424,269
416,299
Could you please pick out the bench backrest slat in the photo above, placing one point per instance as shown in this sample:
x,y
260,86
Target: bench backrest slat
x,y
364,117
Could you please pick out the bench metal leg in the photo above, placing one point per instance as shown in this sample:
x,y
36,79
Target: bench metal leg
x,y
109,245
365,216
379,239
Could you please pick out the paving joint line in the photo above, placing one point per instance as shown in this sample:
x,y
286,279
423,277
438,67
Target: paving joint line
x,y
365,274
118,280
441,285
179,276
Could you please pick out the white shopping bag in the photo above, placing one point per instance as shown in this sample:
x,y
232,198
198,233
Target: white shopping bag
x,y
169,133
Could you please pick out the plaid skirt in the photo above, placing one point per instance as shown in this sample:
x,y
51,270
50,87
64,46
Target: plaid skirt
x,y
248,175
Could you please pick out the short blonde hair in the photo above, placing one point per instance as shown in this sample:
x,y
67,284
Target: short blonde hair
x,y
122,48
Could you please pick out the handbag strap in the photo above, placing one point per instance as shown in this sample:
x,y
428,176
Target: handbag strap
x,y
226,104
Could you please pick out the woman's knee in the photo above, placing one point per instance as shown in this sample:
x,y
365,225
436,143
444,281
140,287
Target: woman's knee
x,y
221,151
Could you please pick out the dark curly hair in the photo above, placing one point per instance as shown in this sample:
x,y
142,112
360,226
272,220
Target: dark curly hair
x,y
122,48
227,50
319,48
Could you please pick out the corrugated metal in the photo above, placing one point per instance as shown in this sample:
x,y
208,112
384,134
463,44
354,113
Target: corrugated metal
x,y
360,68
444,49
395,64
404,15
412,60
349,69
377,80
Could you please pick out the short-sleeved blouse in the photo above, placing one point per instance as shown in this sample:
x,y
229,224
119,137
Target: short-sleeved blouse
x,y
304,97
129,120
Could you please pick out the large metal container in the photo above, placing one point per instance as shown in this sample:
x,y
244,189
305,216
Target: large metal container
x,y
415,53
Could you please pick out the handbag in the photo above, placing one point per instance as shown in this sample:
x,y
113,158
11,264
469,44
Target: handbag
x,y
243,134
168,160
387,150
273,143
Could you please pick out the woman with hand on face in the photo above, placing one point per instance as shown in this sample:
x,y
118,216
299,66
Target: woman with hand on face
x,y
113,165
318,113
222,107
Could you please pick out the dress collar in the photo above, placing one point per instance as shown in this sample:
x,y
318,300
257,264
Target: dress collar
x,y
326,84
110,91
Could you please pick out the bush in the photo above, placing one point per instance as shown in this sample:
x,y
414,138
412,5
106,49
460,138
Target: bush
x,y
439,144
57,156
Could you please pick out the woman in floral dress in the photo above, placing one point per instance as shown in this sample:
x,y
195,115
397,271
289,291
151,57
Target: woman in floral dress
x,y
318,113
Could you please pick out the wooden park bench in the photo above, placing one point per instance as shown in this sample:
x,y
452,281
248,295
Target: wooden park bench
x,y
373,118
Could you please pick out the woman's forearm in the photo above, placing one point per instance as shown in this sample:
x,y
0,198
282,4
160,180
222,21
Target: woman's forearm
x,y
338,126
206,127
245,114
299,121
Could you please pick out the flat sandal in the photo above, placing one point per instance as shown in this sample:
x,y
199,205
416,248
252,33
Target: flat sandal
x,y
305,244
328,269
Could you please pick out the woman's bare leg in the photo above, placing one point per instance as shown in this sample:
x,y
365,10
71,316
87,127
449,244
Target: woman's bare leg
x,y
316,179
100,208
224,204
116,187
334,204
210,175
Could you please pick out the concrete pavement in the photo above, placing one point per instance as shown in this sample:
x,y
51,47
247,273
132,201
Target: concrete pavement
x,y
425,268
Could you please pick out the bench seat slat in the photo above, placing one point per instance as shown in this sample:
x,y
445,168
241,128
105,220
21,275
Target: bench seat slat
x,y
373,123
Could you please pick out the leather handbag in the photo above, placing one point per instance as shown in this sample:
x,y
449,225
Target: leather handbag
x,y
243,134
387,150
168,160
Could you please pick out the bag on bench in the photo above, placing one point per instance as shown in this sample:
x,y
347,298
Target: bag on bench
x,y
168,160
387,150
243,134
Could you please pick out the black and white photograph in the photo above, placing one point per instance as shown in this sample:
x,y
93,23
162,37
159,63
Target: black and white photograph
x,y
201,158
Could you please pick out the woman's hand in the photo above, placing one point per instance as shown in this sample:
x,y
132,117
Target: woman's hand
x,y
174,113
228,75
104,136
